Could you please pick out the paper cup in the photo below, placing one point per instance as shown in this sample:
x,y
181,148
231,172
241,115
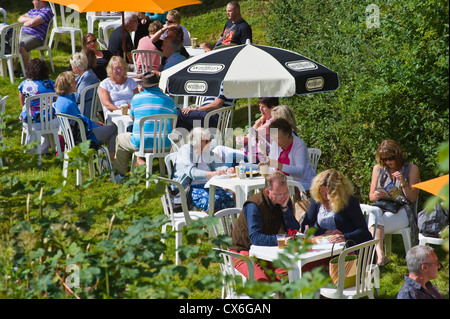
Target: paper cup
x,y
194,43
124,108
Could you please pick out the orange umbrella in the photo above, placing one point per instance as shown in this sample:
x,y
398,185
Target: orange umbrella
x,y
155,6
434,185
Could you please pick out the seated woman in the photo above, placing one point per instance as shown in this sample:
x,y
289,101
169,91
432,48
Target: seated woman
x,y
65,87
85,77
231,156
37,82
195,164
103,56
289,154
146,43
117,88
334,210
392,169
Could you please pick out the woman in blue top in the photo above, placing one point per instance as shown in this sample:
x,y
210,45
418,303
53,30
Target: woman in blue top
x,y
36,83
334,210
195,164
65,87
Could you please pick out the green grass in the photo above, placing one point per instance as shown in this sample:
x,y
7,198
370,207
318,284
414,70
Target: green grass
x,y
205,23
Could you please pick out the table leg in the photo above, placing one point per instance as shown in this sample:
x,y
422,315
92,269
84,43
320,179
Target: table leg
x,y
212,195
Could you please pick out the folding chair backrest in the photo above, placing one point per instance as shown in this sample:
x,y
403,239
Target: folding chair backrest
x,y
167,203
64,124
223,123
46,111
162,125
365,252
227,219
142,60
89,96
314,155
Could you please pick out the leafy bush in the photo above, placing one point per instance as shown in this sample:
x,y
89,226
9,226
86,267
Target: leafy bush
x,y
393,80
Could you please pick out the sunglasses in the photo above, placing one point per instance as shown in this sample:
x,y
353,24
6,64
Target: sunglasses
x,y
392,158
90,42
170,21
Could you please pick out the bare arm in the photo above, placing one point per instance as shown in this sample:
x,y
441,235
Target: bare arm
x,y
30,22
105,98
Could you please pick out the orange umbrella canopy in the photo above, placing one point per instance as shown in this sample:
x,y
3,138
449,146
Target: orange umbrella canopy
x,y
434,185
155,6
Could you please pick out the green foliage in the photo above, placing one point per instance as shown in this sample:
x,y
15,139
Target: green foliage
x,y
393,80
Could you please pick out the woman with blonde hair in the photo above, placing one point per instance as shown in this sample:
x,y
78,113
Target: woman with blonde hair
x,y
334,210
117,88
392,171
285,112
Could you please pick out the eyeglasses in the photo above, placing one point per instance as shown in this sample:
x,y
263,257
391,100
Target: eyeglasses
x,y
392,158
119,68
279,195
170,21
90,42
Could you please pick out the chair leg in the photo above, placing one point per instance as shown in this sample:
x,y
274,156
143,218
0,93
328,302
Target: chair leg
x,y
178,242
406,234
388,243
10,63
72,39
148,169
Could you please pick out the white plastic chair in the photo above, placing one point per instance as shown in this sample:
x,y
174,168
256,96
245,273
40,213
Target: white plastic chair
x,y
375,276
144,57
177,139
169,160
2,111
45,108
223,123
46,47
93,101
3,12
365,252
63,29
423,240
227,218
104,162
230,273
102,44
405,232
177,220
314,155
106,27
8,58
159,149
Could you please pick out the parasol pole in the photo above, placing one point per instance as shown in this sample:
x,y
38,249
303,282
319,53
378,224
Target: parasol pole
x,y
250,141
123,37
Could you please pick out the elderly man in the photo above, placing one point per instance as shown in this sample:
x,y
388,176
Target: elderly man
x,y
35,24
115,44
171,52
151,101
423,266
236,30
264,215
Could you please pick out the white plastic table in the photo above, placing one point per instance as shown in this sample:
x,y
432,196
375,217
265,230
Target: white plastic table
x,y
121,121
318,252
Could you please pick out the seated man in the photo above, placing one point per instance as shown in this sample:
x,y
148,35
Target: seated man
x,y
264,215
151,101
34,30
187,116
171,52
236,30
115,40
423,266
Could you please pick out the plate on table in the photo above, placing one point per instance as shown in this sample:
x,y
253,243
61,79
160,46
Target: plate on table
x,y
255,173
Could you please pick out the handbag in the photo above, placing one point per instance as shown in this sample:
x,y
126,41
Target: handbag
x,y
388,205
350,268
301,206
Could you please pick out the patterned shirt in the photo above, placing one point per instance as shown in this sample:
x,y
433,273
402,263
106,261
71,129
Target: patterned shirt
x,y
413,290
41,30
30,88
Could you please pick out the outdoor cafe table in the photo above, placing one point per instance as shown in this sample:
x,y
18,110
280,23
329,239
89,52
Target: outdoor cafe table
x,y
241,187
194,52
121,121
318,252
